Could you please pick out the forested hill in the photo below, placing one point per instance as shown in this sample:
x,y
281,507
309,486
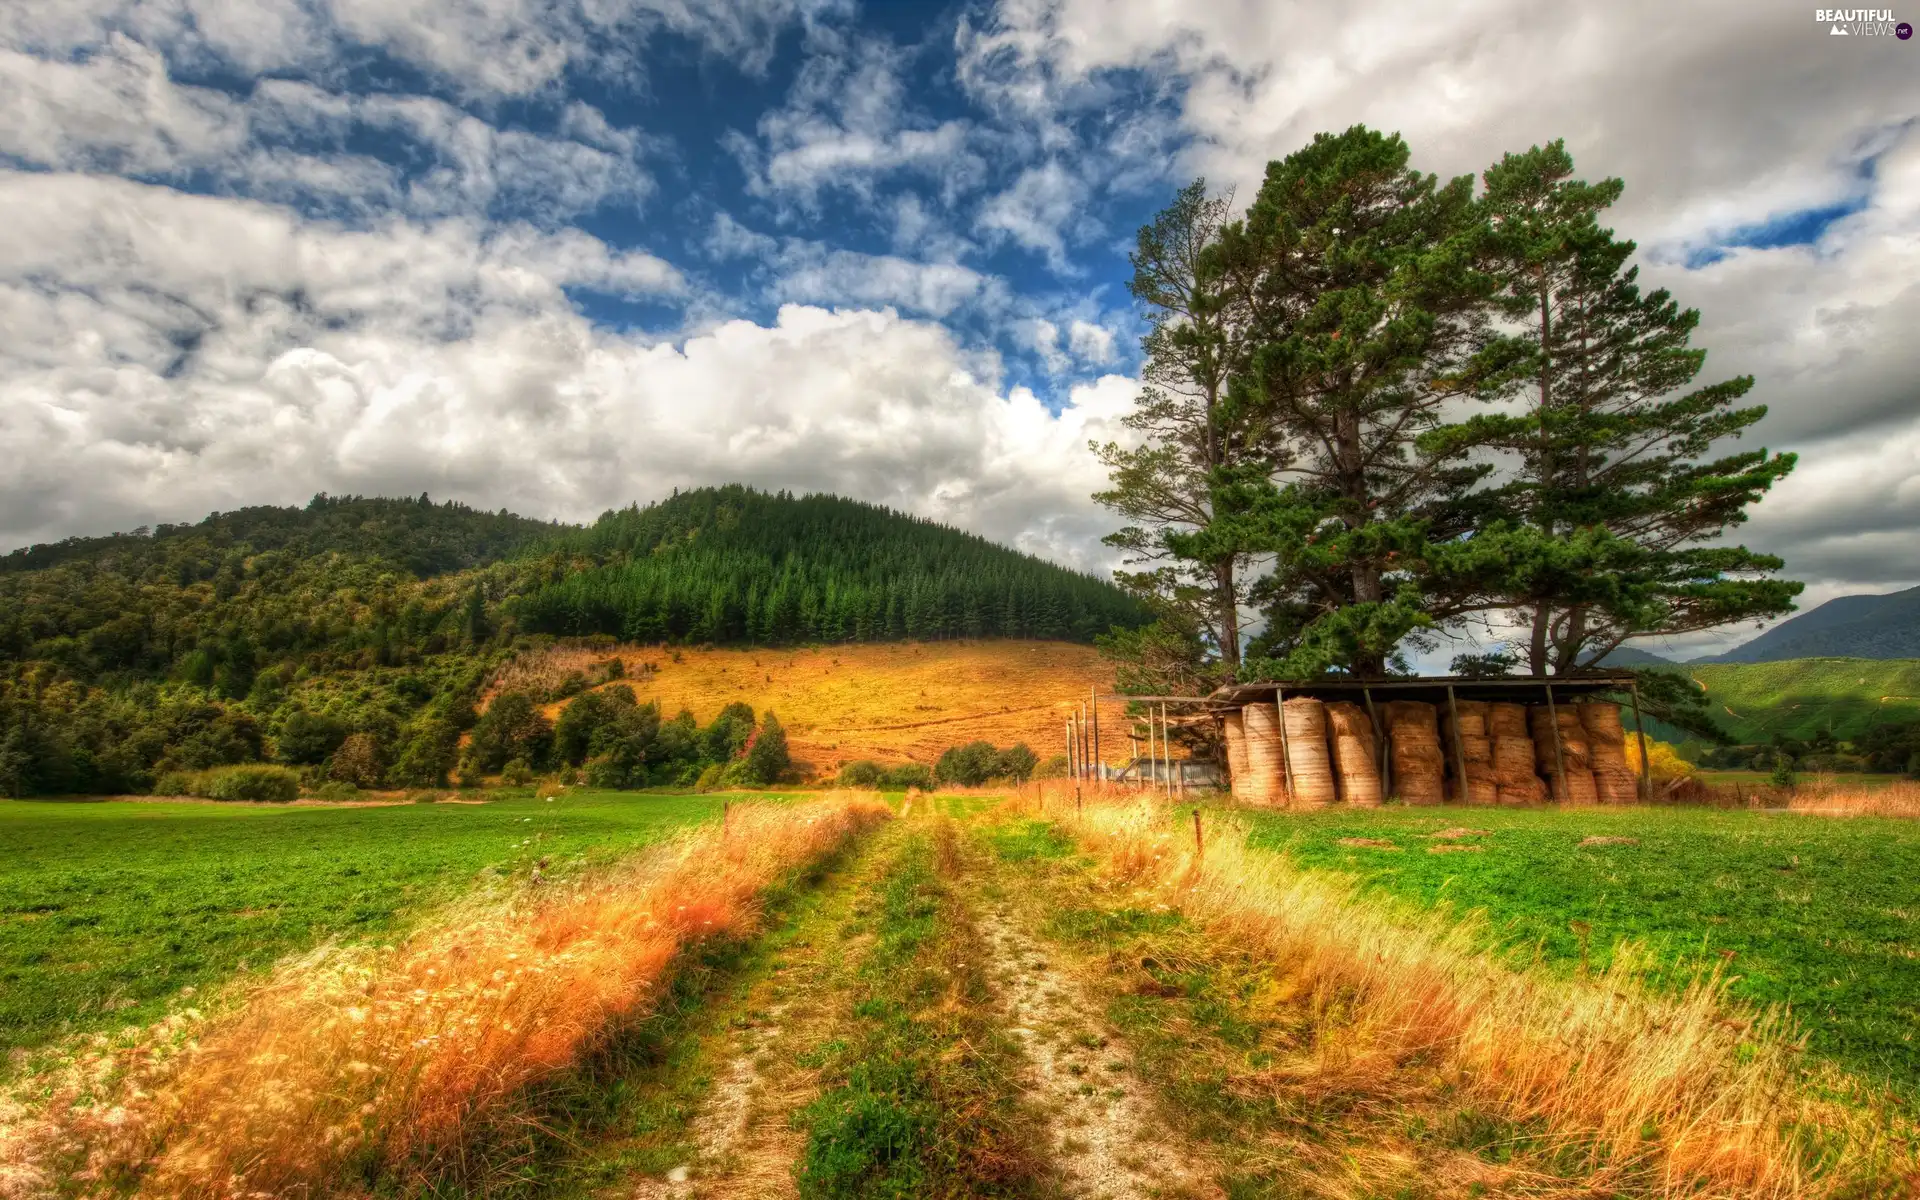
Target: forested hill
x,y
417,536
731,564
372,625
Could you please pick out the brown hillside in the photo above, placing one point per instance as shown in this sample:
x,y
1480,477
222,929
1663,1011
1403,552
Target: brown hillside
x,y
892,703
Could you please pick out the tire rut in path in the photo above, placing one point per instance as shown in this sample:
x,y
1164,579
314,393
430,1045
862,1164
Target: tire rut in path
x,y
743,1129
1109,1143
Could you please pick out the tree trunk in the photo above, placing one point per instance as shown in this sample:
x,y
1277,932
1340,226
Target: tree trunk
x,y
1226,600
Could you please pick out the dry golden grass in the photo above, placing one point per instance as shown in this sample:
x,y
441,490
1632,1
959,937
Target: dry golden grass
x,y
1686,1093
1897,799
894,702
400,1063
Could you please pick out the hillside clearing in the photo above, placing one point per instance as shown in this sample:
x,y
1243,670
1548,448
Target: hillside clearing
x,y
887,702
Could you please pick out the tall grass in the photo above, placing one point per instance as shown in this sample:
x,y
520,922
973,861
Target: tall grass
x,y
355,1067
1684,1094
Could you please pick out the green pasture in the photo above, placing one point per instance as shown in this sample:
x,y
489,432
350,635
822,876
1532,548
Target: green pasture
x,y
1819,913
109,908
1799,697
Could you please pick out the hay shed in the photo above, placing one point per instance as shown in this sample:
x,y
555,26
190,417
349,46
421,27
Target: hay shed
x,y
1432,740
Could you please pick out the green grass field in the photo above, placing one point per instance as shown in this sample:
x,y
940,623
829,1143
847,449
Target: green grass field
x,y
1821,913
1797,698
108,909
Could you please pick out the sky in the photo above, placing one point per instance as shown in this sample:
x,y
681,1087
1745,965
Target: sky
x,y
558,256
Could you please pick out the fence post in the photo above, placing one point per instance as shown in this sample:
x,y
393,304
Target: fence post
x,y
1646,764
726,820
1199,842
1559,751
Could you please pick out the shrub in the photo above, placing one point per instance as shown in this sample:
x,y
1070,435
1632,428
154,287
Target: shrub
x,y
358,762
335,789
712,779
309,738
175,783
861,773
252,781
1017,763
767,757
905,777
516,773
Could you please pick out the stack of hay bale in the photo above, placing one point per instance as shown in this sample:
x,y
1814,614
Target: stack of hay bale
x,y
1265,784
1419,768
1614,782
1576,786
1308,767
1238,776
1514,777
1355,759
1477,748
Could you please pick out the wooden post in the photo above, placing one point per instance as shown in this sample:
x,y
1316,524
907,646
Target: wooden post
x,y
1559,751
1286,752
1166,743
1183,780
1133,740
1069,747
1099,764
1459,746
726,820
1640,729
1199,843
1382,750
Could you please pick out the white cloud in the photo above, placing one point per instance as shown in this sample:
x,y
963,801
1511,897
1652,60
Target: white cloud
x,y
163,355
120,111
811,273
1039,211
849,122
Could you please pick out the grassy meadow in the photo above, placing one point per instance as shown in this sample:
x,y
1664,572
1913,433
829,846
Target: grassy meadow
x,y
108,909
1819,913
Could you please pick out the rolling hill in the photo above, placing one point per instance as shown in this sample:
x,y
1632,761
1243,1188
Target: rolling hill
x,y
190,646
1798,697
1878,627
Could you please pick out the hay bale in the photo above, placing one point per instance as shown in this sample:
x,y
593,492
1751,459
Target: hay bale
x,y
1506,720
1482,787
1473,718
1529,791
1261,723
1237,769
1576,788
1606,738
1354,757
1419,768
1476,749
1309,761
1616,785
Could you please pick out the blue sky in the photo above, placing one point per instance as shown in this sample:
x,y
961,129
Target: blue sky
x,y
559,255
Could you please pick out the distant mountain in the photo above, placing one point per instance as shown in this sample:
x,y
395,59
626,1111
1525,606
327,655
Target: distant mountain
x,y
1883,626
1628,656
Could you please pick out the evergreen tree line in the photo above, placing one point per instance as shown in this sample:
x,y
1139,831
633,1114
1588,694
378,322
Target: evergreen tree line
x,y
1384,409
732,565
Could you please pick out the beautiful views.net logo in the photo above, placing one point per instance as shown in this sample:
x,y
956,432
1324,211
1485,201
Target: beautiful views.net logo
x,y
1862,22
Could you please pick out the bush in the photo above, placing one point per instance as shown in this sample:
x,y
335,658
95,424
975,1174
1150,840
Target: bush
x,y
175,783
905,777
1052,768
516,773
712,779
767,759
861,773
978,762
358,762
334,789
254,781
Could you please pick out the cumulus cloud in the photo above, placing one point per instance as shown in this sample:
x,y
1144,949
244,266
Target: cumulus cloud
x,y
166,354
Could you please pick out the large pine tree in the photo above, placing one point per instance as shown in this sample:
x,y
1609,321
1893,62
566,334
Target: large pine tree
x,y
1372,308
1620,490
